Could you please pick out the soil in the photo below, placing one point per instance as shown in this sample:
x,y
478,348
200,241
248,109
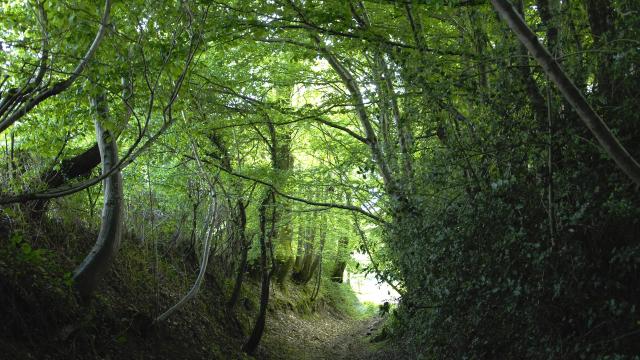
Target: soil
x,y
320,336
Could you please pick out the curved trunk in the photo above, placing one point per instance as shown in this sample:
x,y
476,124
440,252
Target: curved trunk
x,y
80,165
93,267
211,220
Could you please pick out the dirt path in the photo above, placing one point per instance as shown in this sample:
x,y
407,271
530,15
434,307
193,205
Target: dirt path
x,y
322,336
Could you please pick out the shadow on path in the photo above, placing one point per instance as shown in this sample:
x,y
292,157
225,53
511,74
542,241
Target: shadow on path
x,y
319,336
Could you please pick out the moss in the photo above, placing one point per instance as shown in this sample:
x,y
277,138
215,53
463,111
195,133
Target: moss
x,y
41,318
40,315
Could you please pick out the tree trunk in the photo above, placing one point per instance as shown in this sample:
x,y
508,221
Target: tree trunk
x,y
602,19
89,272
600,130
297,267
317,258
282,162
317,264
251,344
210,223
242,267
341,260
304,274
309,255
285,259
78,166
237,286
239,221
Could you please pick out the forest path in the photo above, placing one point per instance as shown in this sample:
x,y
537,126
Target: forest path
x,y
319,336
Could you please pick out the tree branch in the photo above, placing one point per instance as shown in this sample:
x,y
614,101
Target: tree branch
x,y
591,119
64,84
304,201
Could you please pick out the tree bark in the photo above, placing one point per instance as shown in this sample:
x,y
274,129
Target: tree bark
x,y
252,343
317,259
89,272
77,166
242,267
297,266
304,274
341,260
282,162
80,165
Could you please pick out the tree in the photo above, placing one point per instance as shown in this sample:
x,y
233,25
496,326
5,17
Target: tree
x,y
600,130
265,244
96,263
18,102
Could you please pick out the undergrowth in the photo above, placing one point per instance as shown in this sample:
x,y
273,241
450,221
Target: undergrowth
x,y
41,318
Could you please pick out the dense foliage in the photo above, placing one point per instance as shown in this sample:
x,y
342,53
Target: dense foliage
x,y
274,138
